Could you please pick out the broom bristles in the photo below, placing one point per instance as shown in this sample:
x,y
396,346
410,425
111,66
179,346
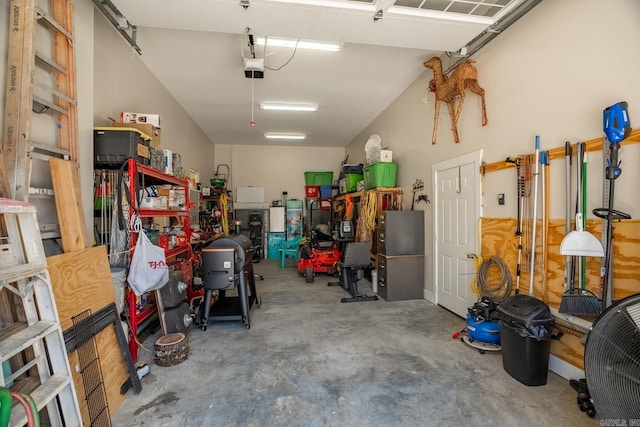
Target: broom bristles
x,y
580,302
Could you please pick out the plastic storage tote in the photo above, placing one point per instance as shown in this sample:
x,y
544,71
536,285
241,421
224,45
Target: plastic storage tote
x,y
381,174
352,180
357,169
325,191
525,329
112,146
318,178
311,191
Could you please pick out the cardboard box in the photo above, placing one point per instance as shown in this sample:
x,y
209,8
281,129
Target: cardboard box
x,y
152,131
143,151
386,156
176,197
152,119
160,202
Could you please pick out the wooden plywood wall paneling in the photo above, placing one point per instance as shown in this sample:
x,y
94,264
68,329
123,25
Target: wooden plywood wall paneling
x,y
498,239
558,152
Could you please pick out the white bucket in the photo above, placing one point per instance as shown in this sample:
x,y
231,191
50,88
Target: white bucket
x,y
119,277
374,281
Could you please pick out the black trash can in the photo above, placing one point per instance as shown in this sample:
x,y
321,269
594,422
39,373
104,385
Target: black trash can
x,y
525,329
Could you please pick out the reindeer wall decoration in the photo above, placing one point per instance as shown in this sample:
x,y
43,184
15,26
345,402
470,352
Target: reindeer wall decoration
x,y
451,88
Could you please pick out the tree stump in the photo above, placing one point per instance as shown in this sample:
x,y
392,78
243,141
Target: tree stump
x,y
171,349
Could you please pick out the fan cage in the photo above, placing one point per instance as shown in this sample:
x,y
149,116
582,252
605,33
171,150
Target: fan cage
x,y
612,362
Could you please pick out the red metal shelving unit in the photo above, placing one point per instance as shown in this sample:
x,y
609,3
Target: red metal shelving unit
x,y
151,176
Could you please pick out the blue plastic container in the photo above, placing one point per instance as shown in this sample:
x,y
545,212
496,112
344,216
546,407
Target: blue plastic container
x,y
325,191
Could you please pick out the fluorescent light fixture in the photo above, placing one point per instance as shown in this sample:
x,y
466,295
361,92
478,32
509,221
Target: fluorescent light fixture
x,y
446,16
335,4
285,135
289,107
300,43
399,10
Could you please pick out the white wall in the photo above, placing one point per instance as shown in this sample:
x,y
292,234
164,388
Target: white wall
x,y
83,30
123,83
277,169
111,78
550,74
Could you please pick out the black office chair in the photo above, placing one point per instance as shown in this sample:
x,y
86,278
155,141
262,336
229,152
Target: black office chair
x,y
356,258
255,235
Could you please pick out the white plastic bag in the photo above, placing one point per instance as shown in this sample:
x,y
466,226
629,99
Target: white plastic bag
x,y
149,270
372,148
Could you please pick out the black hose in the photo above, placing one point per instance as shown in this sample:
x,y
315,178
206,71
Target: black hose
x,y
502,288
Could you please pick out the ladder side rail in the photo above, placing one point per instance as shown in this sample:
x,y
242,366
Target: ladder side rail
x,y
32,314
65,56
56,347
18,97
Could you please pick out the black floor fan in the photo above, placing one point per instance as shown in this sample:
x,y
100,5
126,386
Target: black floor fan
x,y
612,362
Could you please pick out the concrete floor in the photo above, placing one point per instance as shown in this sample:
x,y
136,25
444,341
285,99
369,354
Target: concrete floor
x,y
309,360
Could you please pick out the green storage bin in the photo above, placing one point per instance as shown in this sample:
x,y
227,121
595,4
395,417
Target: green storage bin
x,y
381,174
318,178
352,181
294,204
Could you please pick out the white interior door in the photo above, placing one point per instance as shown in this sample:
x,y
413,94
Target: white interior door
x,y
458,198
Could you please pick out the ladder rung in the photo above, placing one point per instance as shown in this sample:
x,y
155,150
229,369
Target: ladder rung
x,y
46,157
45,148
41,106
51,24
56,93
25,338
22,271
48,65
48,235
42,395
45,193
18,372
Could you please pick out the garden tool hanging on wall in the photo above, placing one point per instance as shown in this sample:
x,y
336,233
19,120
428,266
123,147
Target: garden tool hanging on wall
x,y
616,128
577,300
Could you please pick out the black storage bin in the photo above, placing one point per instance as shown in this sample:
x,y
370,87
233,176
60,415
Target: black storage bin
x,y
525,329
351,169
113,146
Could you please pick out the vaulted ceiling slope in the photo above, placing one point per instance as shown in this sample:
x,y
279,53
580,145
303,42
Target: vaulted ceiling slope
x,y
197,48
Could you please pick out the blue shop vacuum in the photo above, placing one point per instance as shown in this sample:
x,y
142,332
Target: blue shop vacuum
x,y
481,329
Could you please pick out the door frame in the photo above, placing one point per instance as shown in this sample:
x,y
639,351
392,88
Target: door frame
x,y
474,157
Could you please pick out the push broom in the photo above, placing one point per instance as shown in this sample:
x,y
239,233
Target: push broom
x,y
579,301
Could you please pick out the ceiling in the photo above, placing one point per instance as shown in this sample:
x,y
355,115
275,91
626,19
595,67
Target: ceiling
x,y
196,49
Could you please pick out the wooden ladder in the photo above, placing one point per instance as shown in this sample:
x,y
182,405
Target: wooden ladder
x,y
40,93
35,338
